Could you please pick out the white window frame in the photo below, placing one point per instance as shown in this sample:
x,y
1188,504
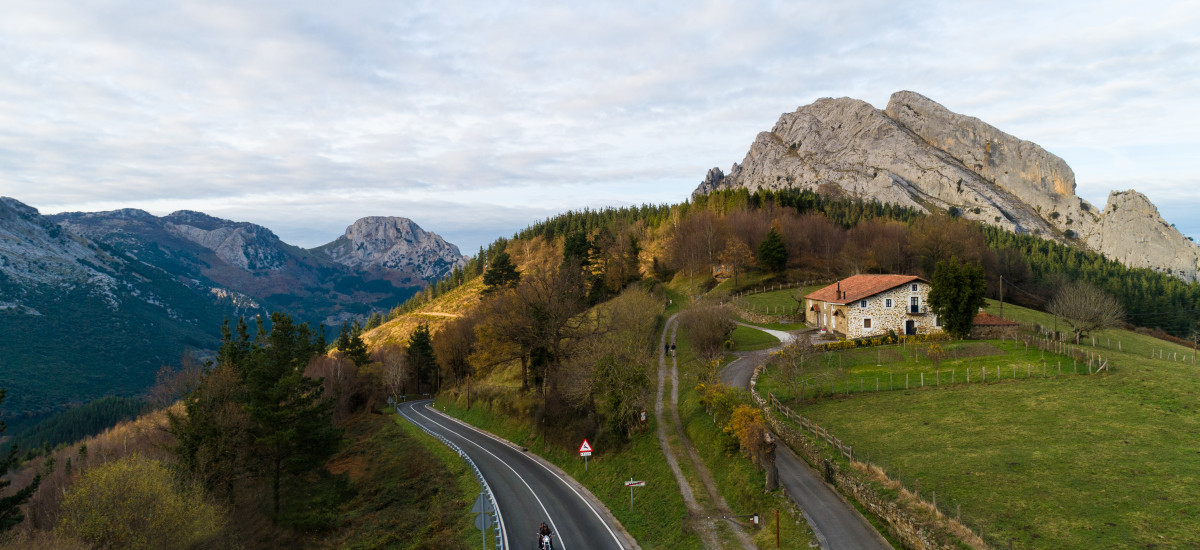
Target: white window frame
x,y
887,302
914,287
862,304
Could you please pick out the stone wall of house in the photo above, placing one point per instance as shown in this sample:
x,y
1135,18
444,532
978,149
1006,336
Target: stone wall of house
x,y
883,318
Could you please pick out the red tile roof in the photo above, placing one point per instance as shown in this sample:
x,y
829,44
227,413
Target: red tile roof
x,y
861,286
985,319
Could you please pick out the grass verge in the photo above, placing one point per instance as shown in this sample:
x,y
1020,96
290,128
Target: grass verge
x,y
403,499
656,518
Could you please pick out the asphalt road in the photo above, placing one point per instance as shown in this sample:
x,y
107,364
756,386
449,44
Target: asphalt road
x,y
527,491
837,524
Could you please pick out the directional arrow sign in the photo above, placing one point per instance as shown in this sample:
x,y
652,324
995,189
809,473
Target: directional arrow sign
x,y
482,505
585,449
632,483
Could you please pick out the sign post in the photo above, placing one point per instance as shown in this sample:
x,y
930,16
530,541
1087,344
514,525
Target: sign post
x,y
483,507
585,451
631,484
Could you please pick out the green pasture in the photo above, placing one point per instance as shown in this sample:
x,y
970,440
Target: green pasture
x,y
1103,461
911,366
745,338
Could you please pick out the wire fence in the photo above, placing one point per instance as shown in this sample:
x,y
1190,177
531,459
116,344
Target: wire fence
x,y
948,512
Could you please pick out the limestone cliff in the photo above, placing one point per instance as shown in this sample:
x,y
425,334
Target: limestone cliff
x,y
919,154
393,243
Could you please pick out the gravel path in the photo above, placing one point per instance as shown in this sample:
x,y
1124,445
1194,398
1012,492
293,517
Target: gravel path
x,y
701,518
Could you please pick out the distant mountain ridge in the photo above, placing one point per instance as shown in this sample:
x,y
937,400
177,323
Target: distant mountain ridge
x,y
393,243
917,153
147,288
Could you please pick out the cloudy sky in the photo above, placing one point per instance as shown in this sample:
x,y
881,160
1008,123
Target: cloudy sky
x,y
477,118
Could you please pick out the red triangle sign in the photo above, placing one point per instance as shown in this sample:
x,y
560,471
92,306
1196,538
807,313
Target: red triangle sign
x,y
585,448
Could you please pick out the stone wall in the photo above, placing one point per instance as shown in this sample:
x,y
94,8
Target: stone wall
x,y
912,531
849,321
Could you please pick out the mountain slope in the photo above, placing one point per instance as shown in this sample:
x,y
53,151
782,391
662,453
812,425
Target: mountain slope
x,y
93,304
83,319
918,153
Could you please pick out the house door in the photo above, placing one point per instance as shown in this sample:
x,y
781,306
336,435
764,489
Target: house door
x,y
910,327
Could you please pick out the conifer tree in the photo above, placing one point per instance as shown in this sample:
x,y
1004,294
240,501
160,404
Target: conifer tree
x,y
421,358
10,511
352,345
772,253
501,273
256,414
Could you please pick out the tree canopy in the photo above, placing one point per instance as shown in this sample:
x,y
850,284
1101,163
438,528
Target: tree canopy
x,y
957,294
10,511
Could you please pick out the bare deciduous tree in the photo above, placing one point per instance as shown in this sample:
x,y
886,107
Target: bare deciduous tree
x,y
395,371
798,366
1086,307
707,327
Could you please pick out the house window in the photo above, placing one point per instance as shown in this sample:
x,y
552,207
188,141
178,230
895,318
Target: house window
x,y
866,323
914,287
862,304
937,321
914,305
887,302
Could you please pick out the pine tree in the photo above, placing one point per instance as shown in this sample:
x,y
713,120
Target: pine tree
x,y
421,358
259,416
772,253
501,273
10,511
352,345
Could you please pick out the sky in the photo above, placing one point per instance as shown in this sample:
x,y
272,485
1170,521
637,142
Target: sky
x,y
477,119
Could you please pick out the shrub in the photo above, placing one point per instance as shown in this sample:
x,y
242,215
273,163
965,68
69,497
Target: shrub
x,y
135,503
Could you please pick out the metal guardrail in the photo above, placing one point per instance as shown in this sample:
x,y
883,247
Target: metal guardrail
x,y
487,490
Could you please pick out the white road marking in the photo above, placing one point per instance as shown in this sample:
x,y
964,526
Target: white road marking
x,y
499,516
552,472
514,471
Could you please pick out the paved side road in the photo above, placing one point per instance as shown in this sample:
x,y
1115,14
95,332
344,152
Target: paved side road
x,y
528,491
837,524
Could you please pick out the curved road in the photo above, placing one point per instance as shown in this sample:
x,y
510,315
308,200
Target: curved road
x,y
837,524
528,491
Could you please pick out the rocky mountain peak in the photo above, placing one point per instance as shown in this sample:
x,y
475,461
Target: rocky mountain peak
x,y
393,243
920,154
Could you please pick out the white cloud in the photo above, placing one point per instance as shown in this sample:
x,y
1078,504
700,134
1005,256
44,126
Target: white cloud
x,y
477,117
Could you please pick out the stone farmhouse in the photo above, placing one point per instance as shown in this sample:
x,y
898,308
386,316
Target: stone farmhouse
x,y
870,305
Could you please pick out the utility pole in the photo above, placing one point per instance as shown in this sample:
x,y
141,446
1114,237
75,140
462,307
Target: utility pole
x,y
1002,296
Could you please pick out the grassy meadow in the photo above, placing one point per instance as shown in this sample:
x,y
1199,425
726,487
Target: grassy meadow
x,y
750,339
1103,461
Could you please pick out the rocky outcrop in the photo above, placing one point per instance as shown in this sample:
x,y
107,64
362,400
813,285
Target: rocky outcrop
x,y
393,243
1131,231
35,250
246,245
919,154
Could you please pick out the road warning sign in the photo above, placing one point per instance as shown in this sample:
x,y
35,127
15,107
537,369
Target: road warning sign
x,y
585,449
